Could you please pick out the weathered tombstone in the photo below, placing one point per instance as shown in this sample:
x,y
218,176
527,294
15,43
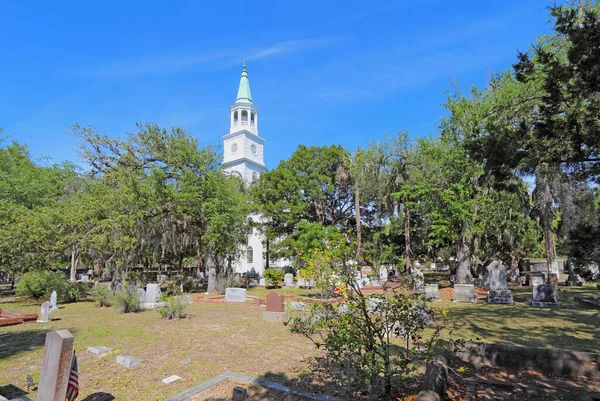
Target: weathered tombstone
x,y
544,296
170,379
499,292
128,361
418,281
573,279
262,282
464,293
56,366
275,308
383,274
161,278
536,279
514,275
152,293
85,278
53,297
301,283
99,350
141,295
432,292
288,280
235,295
45,312
240,394
433,267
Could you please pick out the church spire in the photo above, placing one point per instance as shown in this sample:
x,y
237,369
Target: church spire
x,y
243,95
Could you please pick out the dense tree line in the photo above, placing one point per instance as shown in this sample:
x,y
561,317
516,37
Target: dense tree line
x,y
158,199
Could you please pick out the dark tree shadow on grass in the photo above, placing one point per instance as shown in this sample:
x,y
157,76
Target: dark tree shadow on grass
x,y
15,342
99,397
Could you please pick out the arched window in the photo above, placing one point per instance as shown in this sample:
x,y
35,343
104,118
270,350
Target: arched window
x,y
250,255
252,118
254,176
244,116
235,116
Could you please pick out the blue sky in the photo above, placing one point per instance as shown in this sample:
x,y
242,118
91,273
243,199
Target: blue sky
x,y
321,72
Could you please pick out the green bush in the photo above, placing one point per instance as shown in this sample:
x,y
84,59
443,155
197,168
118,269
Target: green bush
x,y
273,277
174,308
126,300
40,284
101,294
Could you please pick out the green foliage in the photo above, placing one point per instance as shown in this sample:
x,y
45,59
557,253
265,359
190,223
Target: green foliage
x,y
40,284
358,339
126,300
273,277
173,309
101,294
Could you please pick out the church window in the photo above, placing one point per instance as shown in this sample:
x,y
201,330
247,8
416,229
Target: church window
x,y
244,116
250,255
254,176
252,118
254,150
235,116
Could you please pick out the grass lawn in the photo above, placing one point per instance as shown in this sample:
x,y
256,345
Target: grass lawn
x,y
229,337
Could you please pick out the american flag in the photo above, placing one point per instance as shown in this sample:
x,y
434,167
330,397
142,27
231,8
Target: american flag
x,y
73,386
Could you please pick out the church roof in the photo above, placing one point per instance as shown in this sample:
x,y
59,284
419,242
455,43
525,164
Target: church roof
x,y
244,95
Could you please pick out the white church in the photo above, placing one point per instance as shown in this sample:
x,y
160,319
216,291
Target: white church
x,y
243,155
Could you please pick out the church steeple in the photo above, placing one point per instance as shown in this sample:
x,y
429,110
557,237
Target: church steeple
x,y
244,95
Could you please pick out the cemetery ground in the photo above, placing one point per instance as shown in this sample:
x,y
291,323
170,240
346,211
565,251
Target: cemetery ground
x,y
220,337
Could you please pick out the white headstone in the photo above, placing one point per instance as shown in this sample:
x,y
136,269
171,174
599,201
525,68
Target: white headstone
x,y
288,280
45,312
383,273
152,293
53,297
262,282
235,295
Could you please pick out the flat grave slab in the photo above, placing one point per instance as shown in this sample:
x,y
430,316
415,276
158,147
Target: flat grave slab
x,y
99,350
128,361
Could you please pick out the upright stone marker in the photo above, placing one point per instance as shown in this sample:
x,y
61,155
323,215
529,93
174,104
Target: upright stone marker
x,y
275,308
432,292
544,296
288,280
152,293
45,312
53,297
56,366
235,295
464,293
418,281
499,292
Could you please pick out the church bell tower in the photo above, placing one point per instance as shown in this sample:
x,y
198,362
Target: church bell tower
x,y
243,148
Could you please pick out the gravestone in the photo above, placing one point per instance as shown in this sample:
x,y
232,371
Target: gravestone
x,y
464,293
288,280
99,350
275,308
383,274
152,293
499,292
128,361
418,281
262,282
432,292
161,278
53,297
514,275
544,296
239,394
573,279
235,295
85,278
301,283
536,279
45,313
141,295
56,366
170,379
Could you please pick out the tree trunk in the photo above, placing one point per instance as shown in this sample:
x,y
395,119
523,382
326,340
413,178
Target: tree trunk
x,y
211,266
74,262
407,239
267,252
200,266
543,185
358,223
463,258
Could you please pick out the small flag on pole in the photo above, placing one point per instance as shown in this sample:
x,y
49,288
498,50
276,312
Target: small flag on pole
x,y
73,386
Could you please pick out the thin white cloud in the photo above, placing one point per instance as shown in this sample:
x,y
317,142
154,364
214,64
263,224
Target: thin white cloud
x,y
221,57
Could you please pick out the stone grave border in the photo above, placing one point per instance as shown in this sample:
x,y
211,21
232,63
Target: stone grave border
x,y
237,377
544,360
